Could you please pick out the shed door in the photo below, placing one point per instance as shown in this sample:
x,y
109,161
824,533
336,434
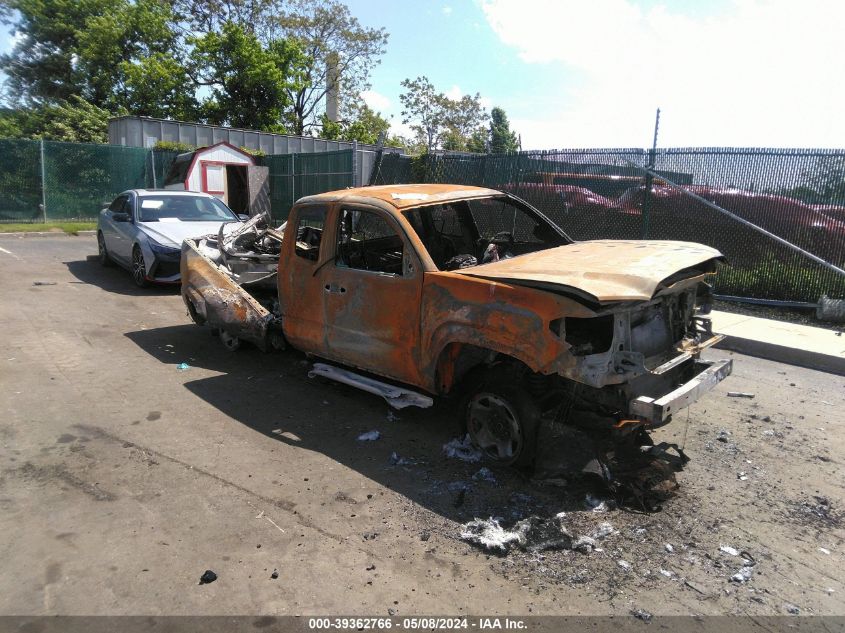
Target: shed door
x,y
214,179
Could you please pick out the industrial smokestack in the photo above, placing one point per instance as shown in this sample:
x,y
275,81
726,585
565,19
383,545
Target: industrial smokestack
x,y
332,86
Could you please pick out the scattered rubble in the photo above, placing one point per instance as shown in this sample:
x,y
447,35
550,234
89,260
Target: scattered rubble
x,y
462,449
641,614
533,534
369,436
485,474
208,577
727,549
743,575
740,394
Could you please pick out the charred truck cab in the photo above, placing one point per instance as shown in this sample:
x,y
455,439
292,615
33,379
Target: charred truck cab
x,y
432,290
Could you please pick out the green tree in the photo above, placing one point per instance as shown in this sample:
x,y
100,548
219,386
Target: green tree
x,y
334,44
158,86
256,17
92,49
479,141
365,126
502,139
249,82
112,47
74,120
438,121
44,64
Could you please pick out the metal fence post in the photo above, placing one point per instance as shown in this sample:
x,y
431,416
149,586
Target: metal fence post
x,y
153,161
649,180
356,182
43,186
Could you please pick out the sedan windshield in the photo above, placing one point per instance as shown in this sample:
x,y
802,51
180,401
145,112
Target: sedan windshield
x,y
183,209
478,231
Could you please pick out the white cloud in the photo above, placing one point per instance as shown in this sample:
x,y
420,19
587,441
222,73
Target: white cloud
x,y
454,93
754,72
376,100
447,10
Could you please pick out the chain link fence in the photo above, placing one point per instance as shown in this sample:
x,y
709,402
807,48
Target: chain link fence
x,y
680,194
50,181
293,176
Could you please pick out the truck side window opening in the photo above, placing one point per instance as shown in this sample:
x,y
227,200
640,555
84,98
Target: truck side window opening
x,y
309,232
367,242
465,233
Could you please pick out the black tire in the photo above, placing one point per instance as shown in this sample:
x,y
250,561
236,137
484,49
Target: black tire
x,y
502,419
139,268
102,252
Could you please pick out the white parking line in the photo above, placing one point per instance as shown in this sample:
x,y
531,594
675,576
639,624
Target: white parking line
x,y
9,252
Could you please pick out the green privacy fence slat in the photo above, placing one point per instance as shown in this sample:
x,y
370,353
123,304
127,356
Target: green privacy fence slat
x,y
20,181
75,180
293,176
796,194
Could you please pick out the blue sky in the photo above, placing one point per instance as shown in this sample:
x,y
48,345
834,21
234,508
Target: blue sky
x,y
590,73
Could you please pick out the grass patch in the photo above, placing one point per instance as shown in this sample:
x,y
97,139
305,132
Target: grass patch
x,y
71,228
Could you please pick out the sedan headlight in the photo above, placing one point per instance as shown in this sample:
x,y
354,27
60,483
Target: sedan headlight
x,y
161,249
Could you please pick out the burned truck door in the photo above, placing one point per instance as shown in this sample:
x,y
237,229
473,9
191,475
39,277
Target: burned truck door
x,y
371,295
300,291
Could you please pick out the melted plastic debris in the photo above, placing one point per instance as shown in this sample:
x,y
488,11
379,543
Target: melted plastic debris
x,y
369,436
533,534
463,450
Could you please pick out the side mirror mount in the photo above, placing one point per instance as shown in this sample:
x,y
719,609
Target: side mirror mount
x,y
120,217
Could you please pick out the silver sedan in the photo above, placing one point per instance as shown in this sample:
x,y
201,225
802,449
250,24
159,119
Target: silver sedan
x,y
143,230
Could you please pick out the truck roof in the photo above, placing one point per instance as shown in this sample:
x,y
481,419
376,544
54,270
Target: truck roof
x,y
403,196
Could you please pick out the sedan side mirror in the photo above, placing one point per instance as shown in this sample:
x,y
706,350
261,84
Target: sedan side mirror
x,y
243,217
120,217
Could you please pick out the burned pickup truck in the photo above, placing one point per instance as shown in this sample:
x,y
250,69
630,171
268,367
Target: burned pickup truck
x,y
414,291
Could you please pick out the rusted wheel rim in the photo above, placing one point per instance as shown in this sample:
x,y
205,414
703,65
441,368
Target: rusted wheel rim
x,y
494,427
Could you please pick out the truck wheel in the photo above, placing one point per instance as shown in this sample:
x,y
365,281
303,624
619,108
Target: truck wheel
x,y
231,343
501,420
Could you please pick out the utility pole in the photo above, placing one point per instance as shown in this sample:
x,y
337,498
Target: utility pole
x,y
649,179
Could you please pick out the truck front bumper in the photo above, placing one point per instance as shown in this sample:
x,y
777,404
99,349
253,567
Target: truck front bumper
x,y
657,411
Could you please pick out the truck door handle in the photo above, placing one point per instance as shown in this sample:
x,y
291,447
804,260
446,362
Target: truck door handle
x,y
331,288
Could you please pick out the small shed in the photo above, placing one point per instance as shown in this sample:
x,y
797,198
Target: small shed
x,y
222,170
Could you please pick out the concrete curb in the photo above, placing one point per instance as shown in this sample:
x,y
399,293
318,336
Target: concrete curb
x,y
783,354
87,233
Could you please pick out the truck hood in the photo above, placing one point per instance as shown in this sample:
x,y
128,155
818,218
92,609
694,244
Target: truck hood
x,y
605,270
174,233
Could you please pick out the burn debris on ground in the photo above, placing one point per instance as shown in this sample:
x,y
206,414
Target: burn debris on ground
x,y
532,534
462,449
207,577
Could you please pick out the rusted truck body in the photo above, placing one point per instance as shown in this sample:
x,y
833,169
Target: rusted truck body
x,y
452,289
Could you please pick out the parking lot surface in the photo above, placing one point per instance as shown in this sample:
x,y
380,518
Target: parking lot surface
x,y
122,479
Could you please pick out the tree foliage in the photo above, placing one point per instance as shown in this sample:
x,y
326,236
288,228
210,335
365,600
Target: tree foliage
x,y
73,120
327,32
438,121
249,82
502,139
364,126
247,63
